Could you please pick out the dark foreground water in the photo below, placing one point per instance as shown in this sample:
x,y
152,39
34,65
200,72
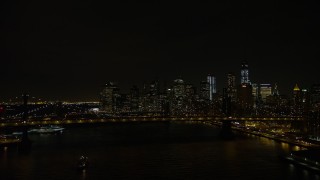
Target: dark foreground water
x,y
150,151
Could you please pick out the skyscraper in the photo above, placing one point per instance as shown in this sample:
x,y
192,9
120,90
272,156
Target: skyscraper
x,y
212,86
179,88
245,97
315,96
179,95
275,91
231,86
134,99
296,100
245,73
109,96
256,94
204,90
265,91
154,103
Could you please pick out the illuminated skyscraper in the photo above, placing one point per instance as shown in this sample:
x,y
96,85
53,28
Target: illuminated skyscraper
x,y
245,97
190,91
231,81
315,96
204,90
179,95
265,91
275,91
109,97
245,73
231,86
154,88
305,101
212,86
179,88
154,103
134,99
296,100
256,94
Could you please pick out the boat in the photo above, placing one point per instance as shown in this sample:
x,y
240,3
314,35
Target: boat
x,y
83,163
46,129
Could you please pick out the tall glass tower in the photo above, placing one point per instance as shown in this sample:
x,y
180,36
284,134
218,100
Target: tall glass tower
x,y
212,85
245,73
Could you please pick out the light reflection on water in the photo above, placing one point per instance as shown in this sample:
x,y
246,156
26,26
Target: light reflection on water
x,y
151,151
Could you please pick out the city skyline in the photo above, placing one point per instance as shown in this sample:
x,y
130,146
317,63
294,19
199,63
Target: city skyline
x,y
68,51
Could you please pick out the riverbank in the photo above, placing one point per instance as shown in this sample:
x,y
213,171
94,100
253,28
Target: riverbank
x,y
277,138
9,142
308,158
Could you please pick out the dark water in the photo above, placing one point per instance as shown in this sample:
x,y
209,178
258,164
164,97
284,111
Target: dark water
x,y
150,151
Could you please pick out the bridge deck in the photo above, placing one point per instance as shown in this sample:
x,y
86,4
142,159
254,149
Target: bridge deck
x,y
147,119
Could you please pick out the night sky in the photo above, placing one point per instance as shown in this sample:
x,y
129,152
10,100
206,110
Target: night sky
x,y
67,50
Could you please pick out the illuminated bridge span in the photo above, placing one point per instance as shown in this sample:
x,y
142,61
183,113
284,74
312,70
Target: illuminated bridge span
x,y
147,119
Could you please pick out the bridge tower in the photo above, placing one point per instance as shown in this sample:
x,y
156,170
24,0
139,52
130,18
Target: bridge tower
x,y
226,131
25,142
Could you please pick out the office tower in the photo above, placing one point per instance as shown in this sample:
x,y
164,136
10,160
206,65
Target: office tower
x,y
154,104
108,97
296,94
177,105
231,86
179,88
134,99
245,97
315,96
212,86
275,91
226,102
190,91
265,91
274,100
296,100
256,94
2,111
204,90
245,73
305,101
154,88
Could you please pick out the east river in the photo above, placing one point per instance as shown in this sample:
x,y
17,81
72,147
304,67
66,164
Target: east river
x,y
150,151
